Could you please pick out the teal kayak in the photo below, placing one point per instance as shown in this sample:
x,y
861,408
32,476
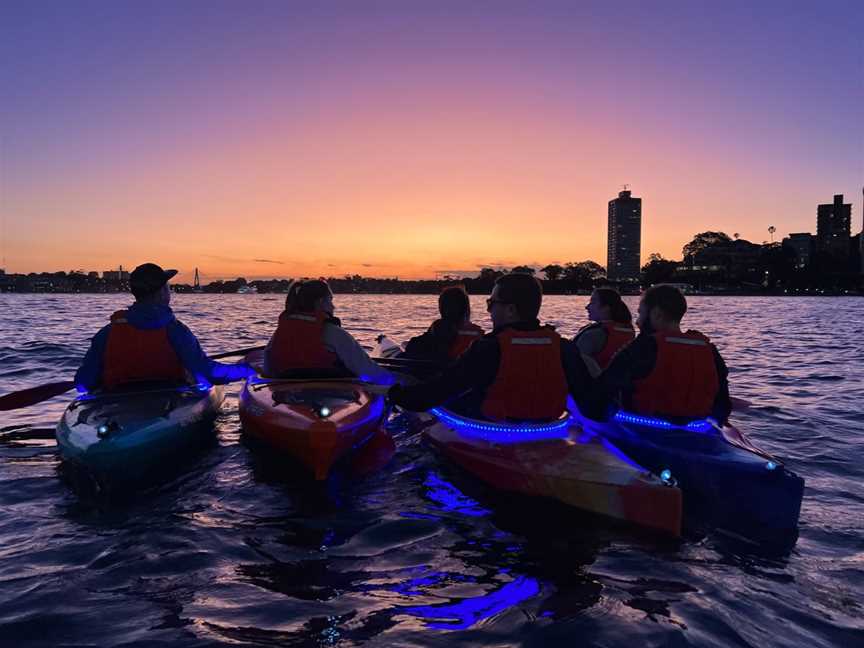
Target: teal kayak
x,y
133,436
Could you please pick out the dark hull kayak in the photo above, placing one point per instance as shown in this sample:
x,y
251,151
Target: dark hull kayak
x,y
727,482
133,437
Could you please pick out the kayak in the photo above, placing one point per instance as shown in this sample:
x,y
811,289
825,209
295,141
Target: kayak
x,y
317,422
127,437
725,479
558,461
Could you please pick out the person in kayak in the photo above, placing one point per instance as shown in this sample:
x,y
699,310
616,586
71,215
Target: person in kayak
x,y
146,342
611,329
310,341
449,336
665,371
522,370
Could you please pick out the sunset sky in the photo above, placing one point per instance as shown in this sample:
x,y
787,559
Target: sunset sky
x,y
280,139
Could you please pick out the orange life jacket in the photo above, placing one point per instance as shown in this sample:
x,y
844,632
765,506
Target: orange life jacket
x,y
465,337
684,381
617,336
530,383
298,343
134,355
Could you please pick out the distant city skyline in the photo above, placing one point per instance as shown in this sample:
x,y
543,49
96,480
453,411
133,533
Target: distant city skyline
x,y
403,139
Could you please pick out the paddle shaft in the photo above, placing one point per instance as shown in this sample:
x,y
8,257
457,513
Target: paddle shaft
x,y
35,395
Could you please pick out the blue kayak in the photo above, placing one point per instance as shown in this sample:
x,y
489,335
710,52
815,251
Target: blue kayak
x,y
726,481
132,436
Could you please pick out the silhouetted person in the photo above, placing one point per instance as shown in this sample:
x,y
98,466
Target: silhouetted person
x,y
667,372
146,343
449,336
519,371
310,341
610,330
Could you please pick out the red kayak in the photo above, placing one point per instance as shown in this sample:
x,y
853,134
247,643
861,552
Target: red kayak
x,y
558,460
316,422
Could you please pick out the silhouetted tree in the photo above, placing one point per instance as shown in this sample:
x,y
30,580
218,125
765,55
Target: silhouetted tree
x,y
553,271
658,270
583,275
703,241
524,270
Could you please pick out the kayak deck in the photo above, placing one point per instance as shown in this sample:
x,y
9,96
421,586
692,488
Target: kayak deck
x,y
316,422
128,436
578,470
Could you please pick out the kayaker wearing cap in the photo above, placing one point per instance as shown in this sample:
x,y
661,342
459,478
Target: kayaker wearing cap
x,y
145,342
611,329
451,335
667,372
520,371
310,341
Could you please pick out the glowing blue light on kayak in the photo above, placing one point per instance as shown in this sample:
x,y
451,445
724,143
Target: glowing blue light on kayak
x,y
699,425
324,412
771,465
666,477
504,432
102,429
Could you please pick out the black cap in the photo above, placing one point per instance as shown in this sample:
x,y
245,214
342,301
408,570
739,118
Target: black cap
x,y
148,278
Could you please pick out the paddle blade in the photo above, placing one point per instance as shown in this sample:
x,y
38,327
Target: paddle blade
x,y
27,397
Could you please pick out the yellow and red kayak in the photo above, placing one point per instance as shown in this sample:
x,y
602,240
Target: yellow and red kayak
x,y
315,422
560,461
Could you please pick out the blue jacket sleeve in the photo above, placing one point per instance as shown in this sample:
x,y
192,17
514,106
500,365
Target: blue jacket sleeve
x,y
196,361
89,374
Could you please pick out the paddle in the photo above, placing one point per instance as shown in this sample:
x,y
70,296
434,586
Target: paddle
x,y
27,397
33,395
369,387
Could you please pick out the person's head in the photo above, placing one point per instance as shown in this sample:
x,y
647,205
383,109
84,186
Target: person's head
x,y
149,284
515,298
453,305
314,295
661,308
291,296
605,305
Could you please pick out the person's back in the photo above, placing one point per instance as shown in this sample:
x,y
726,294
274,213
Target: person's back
x,y
516,372
611,329
309,340
146,343
449,336
666,372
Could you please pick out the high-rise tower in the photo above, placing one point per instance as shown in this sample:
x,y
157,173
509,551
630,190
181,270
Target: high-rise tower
x,y
624,246
833,228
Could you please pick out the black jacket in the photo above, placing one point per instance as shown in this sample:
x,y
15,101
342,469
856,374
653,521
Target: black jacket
x,y
462,386
636,361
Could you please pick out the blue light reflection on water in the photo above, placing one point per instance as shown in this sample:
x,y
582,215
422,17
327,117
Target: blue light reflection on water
x,y
451,499
469,612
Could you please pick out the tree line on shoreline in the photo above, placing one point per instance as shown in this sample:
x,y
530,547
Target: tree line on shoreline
x,y
711,262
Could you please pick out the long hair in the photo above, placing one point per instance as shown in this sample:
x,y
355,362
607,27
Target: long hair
x,y
617,308
308,292
291,297
455,308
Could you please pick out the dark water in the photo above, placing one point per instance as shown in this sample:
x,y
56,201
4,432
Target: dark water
x,y
236,550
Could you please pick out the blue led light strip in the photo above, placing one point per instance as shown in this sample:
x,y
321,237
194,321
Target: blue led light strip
x,y
700,425
505,432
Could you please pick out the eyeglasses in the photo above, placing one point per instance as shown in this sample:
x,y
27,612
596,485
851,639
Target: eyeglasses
x,y
491,302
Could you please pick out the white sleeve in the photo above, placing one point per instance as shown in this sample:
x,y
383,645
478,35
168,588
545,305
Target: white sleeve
x,y
355,359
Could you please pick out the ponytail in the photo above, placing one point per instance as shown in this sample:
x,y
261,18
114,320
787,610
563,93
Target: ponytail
x,y
618,310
